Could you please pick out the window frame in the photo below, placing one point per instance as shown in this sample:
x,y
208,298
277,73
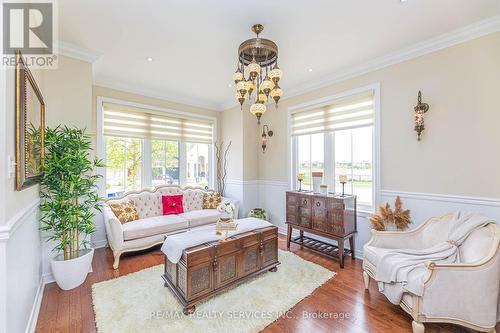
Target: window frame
x,y
147,173
329,143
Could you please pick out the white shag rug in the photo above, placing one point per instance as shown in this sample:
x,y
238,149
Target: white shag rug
x,y
139,302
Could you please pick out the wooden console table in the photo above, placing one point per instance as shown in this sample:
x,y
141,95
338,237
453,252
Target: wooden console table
x,y
329,216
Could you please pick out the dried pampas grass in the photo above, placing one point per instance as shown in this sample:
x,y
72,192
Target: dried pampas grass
x,y
398,217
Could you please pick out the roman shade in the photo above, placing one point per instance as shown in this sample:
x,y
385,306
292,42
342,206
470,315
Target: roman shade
x,y
121,120
344,113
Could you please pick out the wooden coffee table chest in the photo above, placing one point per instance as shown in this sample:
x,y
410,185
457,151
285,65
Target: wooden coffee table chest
x,y
209,268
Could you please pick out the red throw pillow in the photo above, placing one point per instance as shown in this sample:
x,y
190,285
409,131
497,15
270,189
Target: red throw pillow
x,y
172,204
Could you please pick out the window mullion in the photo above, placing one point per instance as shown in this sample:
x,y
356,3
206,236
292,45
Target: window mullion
x,y
147,163
329,160
182,163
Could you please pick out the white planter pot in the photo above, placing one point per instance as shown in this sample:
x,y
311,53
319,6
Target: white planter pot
x,y
71,273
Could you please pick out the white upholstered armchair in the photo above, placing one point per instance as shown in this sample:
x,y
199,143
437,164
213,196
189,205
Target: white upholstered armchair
x,y
465,293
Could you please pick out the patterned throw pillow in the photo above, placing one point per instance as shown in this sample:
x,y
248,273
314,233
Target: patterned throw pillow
x,y
125,212
211,200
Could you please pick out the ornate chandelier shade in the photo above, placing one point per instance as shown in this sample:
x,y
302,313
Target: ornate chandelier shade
x,y
258,72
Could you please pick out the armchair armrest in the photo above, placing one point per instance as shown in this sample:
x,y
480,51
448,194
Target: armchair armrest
x,y
114,229
236,204
447,286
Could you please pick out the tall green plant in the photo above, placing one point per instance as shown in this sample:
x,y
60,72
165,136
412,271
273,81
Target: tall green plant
x,y
69,189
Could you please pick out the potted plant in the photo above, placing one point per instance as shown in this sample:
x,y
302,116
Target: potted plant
x,y
69,200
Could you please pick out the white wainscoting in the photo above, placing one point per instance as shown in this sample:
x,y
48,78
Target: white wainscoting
x,y
271,197
21,271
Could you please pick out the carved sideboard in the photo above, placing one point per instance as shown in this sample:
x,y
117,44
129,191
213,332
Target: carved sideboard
x,y
329,216
209,268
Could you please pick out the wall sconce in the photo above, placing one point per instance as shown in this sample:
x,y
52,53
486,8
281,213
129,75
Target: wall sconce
x,y
265,133
420,110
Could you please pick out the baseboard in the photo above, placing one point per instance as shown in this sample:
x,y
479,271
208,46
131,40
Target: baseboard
x,y
100,243
35,310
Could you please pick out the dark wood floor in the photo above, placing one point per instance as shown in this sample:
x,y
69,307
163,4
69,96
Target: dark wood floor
x,y
71,311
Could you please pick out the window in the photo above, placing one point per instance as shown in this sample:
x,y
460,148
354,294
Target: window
x,y
165,162
310,156
198,164
337,139
353,157
123,165
144,148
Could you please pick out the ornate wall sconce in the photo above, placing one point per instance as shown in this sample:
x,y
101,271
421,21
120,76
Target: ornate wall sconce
x,y
265,134
420,110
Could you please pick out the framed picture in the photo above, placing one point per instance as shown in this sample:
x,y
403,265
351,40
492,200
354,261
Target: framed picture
x,y
30,127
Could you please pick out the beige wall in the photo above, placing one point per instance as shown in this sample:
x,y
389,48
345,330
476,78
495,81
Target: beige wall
x,y
67,92
458,153
232,131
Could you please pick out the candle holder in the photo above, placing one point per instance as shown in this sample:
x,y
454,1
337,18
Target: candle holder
x,y
343,181
300,178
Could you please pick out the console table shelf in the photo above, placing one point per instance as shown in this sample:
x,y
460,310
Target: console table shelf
x,y
329,216
315,245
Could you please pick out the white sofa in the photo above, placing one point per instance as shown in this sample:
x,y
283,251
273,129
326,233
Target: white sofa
x,y
465,293
152,226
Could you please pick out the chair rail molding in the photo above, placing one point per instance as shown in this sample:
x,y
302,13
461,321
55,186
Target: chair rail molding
x,y
7,230
460,199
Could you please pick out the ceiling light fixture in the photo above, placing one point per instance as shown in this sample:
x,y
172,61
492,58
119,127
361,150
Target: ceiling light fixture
x,y
310,69
258,62
149,59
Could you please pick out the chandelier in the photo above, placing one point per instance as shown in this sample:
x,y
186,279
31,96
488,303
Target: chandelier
x,y
257,71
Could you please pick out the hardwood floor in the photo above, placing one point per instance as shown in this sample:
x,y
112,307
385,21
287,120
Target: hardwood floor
x,y
344,295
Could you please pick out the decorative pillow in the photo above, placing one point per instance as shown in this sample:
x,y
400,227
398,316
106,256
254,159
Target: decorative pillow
x,y
211,200
125,212
172,204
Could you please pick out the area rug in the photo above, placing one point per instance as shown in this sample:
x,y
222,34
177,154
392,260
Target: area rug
x,y
139,302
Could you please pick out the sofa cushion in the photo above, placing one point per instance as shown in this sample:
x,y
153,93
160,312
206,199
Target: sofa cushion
x,y
211,200
172,204
153,226
200,217
125,211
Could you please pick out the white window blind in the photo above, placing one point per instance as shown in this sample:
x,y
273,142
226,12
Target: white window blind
x,y
345,113
121,120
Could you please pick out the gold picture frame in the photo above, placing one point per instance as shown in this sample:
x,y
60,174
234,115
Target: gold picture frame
x,y
30,127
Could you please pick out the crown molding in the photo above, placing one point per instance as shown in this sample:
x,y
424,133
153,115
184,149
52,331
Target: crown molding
x,y
77,52
110,83
464,34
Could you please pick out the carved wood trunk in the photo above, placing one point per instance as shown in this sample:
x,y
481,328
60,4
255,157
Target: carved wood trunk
x,y
208,268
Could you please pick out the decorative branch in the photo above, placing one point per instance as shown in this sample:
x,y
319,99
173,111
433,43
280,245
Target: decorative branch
x,y
224,171
221,156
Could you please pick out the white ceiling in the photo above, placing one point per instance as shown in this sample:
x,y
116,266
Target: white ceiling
x,y
194,42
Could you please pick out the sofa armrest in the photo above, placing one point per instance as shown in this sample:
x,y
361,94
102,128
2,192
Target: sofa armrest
x,y
114,230
236,204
